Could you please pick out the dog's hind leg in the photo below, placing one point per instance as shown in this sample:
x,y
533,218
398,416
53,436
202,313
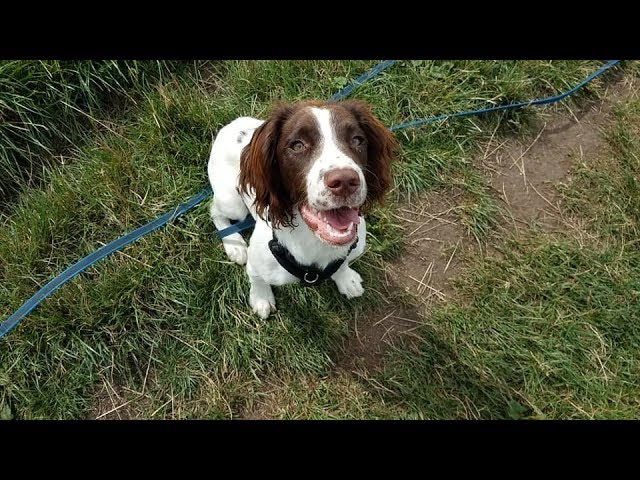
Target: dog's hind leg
x,y
222,211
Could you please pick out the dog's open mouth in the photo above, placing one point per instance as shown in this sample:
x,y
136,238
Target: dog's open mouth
x,y
336,227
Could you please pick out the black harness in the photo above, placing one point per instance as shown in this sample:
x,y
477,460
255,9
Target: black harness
x,y
309,275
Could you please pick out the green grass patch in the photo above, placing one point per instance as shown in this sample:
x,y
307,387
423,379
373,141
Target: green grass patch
x,y
551,329
47,107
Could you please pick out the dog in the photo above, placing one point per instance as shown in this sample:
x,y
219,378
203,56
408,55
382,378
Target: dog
x,y
307,175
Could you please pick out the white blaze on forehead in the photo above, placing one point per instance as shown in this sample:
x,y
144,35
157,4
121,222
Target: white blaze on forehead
x,y
330,153
329,158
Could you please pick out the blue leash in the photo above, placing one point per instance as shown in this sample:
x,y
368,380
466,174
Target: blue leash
x,y
98,255
540,101
363,78
248,222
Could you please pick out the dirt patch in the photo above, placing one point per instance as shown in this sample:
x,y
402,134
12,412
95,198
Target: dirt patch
x,y
523,174
373,335
266,408
109,403
112,400
433,238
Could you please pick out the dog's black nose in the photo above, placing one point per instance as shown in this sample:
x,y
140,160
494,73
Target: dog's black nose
x,y
342,181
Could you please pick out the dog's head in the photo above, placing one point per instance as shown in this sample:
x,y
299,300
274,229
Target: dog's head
x,y
330,159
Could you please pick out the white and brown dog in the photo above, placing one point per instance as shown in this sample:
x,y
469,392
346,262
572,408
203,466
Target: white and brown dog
x,y
306,175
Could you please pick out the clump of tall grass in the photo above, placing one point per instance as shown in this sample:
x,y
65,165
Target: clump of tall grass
x,y
46,107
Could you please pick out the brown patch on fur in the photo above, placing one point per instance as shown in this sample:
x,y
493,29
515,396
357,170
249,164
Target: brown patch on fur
x,y
381,151
260,170
301,127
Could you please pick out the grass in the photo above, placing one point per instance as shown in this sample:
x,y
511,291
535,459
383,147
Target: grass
x,y
551,329
164,325
47,106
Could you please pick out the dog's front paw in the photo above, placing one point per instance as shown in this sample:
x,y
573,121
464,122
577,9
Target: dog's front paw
x,y
349,283
262,308
236,251
262,305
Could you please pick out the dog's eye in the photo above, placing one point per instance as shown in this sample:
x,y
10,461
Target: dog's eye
x,y
297,146
357,140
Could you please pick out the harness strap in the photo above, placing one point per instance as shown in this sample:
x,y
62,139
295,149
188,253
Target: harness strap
x,y
309,275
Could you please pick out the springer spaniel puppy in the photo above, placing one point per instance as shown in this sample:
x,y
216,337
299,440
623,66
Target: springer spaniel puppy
x,y
306,174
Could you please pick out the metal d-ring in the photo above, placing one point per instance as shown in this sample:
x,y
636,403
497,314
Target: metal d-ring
x,y
311,281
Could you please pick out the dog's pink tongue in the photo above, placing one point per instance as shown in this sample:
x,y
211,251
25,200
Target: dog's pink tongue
x,y
342,218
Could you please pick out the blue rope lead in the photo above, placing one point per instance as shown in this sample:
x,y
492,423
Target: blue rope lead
x,y
236,227
250,222
98,255
540,101
363,78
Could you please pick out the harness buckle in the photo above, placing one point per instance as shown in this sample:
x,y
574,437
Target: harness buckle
x,y
311,282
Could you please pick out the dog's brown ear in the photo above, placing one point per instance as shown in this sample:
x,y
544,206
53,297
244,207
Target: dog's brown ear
x,y
381,151
260,171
